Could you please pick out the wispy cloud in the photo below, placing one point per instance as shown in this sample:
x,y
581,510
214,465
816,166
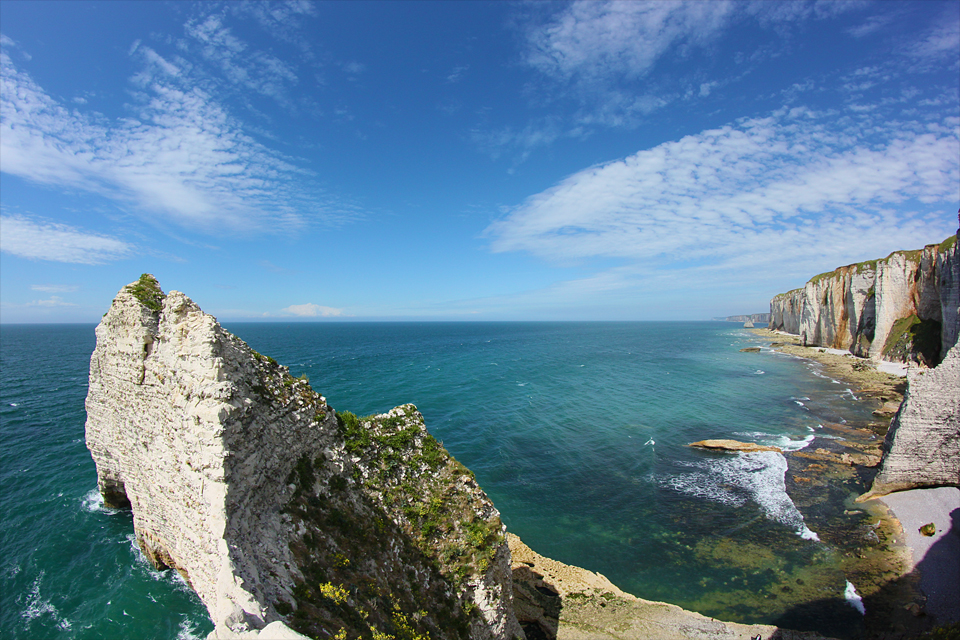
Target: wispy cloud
x,y
604,56
52,301
791,186
590,41
871,25
457,73
183,157
55,288
241,65
311,310
941,43
42,240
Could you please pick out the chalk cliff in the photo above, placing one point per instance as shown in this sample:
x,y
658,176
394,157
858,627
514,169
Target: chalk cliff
x,y
273,507
901,308
922,446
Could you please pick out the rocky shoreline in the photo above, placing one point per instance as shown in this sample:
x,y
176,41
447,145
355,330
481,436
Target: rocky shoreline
x,y
289,518
876,556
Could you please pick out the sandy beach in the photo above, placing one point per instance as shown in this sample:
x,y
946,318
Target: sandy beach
x,y
936,557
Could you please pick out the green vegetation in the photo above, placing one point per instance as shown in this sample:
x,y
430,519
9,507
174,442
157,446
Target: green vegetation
x,y
911,337
821,276
388,555
944,632
356,437
147,291
948,243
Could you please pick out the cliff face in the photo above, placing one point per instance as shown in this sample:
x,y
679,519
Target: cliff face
x,y
901,308
922,446
272,506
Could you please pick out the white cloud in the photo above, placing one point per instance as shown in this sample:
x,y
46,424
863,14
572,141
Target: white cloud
x,y
311,310
183,156
604,54
251,69
754,194
871,25
600,39
55,288
21,236
457,73
941,43
52,301
354,68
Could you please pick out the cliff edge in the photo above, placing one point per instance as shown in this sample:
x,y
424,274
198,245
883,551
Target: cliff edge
x,y
274,508
900,308
922,445
903,308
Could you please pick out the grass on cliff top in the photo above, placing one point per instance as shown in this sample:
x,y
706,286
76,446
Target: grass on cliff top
x,y
147,291
871,265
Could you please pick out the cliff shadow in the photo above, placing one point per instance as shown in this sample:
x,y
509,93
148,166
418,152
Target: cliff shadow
x,y
907,607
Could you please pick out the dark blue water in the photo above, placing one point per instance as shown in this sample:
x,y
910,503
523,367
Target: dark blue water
x,y
577,431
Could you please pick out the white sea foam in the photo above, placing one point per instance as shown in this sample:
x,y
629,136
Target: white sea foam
x,y
759,372
735,479
785,443
93,502
188,631
853,598
37,607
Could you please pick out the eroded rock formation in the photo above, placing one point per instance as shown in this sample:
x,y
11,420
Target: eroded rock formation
x,y
922,446
901,308
273,507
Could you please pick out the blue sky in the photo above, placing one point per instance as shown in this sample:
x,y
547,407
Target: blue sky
x,y
467,160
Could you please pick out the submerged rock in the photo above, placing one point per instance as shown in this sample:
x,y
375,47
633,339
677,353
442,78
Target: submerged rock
x,y
556,600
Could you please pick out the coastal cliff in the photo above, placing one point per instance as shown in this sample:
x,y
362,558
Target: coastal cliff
x,y
922,445
291,520
901,308
904,308
273,507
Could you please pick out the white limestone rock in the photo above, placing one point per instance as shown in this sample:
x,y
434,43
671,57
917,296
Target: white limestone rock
x,y
861,308
202,437
922,446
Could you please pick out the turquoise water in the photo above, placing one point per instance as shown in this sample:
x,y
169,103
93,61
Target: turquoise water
x,y
577,431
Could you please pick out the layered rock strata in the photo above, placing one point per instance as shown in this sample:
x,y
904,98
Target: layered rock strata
x,y
901,308
274,508
922,446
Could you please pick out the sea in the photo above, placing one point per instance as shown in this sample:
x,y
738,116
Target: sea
x,y
577,431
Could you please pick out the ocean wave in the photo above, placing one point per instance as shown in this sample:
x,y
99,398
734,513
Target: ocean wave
x,y
853,598
733,480
189,630
93,502
37,607
785,443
